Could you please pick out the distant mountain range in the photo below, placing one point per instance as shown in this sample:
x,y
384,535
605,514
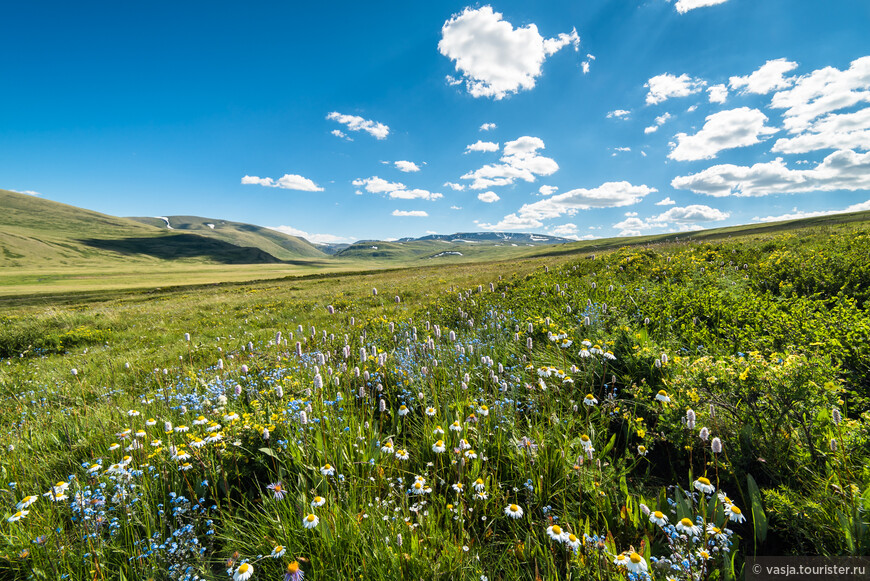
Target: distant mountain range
x,y
35,232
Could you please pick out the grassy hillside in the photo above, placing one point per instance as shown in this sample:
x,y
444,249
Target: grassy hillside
x,y
417,251
281,246
521,395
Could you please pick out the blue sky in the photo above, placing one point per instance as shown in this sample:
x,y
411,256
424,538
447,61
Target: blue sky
x,y
381,120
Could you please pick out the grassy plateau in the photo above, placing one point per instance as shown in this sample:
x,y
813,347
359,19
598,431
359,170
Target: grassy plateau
x,y
598,411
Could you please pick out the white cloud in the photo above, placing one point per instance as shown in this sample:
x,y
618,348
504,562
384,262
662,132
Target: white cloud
x,y
585,66
841,170
769,77
666,202
607,195
488,126
691,214
494,58
286,182
455,187
684,6
723,130
356,123
455,207
407,166
798,214
692,109
547,190
823,91
684,218
513,222
415,194
718,93
568,230
618,114
26,192
482,146
520,161
488,197
376,185
622,149
660,120
410,213
833,131
395,190
341,134
663,87
315,238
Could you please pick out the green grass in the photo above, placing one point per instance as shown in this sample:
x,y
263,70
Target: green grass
x,y
763,336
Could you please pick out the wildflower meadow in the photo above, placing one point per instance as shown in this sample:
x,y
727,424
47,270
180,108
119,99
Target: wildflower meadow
x,y
650,412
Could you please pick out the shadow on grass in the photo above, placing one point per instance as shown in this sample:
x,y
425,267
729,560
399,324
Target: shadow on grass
x,y
182,246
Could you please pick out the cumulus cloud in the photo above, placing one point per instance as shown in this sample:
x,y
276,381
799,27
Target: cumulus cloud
x,y
547,190
488,197
660,120
687,217
488,126
607,195
663,87
520,161
286,182
717,93
684,6
513,222
798,214
315,238
723,130
618,114
455,207
455,187
482,146
407,166
841,170
410,213
823,91
833,131
769,77
341,134
494,58
357,123
585,66
666,202
811,107
395,190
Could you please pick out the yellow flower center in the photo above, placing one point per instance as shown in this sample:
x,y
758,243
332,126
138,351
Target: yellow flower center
x,y
244,567
635,558
658,514
572,538
327,467
686,522
514,508
278,549
439,443
704,481
311,518
418,486
318,499
585,438
735,510
293,567
661,392
557,529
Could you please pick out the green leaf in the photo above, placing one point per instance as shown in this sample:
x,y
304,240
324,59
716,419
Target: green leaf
x,y
846,528
759,518
269,452
609,445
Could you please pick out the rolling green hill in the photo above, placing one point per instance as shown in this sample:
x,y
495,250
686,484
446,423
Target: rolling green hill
x,y
37,233
281,246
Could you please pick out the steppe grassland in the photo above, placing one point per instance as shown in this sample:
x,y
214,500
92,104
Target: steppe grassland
x,y
570,382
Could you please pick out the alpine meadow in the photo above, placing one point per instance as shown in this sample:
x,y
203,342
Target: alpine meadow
x,y
441,291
